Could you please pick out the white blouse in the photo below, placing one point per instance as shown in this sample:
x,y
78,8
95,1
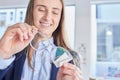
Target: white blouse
x,y
41,62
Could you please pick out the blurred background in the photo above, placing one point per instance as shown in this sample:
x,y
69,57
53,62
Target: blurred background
x,y
93,30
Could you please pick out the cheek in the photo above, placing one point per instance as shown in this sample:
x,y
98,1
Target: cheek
x,y
57,20
35,15
56,25
36,18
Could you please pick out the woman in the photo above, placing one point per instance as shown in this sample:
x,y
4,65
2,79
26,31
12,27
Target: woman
x,y
20,61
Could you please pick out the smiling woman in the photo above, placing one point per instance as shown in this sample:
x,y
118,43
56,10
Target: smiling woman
x,y
47,16
20,61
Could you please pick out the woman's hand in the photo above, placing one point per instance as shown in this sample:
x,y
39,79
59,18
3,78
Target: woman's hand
x,y
69,72
16,38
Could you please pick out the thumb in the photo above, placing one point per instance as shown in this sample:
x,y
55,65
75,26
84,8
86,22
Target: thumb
x,y
33,32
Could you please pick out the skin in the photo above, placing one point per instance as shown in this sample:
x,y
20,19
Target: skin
x,y
18,34
46,17
69,72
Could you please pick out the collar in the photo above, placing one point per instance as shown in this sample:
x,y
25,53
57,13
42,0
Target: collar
x,y
46,44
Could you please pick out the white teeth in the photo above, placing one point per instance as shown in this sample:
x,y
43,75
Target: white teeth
x,y
45,24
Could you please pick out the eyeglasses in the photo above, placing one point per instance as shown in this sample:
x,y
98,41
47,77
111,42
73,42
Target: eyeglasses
x,y
42,35
59,54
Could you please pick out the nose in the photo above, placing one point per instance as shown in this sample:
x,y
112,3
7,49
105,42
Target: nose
x,y
47,16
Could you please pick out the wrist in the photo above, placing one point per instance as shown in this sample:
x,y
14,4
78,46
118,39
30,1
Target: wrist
x,y
4,54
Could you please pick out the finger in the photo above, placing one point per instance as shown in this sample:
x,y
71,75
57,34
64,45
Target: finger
x,y
74,75
79,76
25,30
32,29
26,35
29,28
22,26
20,34
72,70
66,71
32,32
18,28
79,71
29,33
69,74
67,77
69,65
15,32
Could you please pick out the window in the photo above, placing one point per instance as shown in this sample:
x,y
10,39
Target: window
x,y
10,16
70,24
7,17
105,40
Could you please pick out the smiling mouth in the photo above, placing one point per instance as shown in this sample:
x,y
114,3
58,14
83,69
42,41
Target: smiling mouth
x,y
45,24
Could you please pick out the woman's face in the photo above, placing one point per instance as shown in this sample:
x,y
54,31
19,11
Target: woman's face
x,y
46,15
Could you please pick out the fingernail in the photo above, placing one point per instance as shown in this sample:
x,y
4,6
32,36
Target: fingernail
x,y
34,31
